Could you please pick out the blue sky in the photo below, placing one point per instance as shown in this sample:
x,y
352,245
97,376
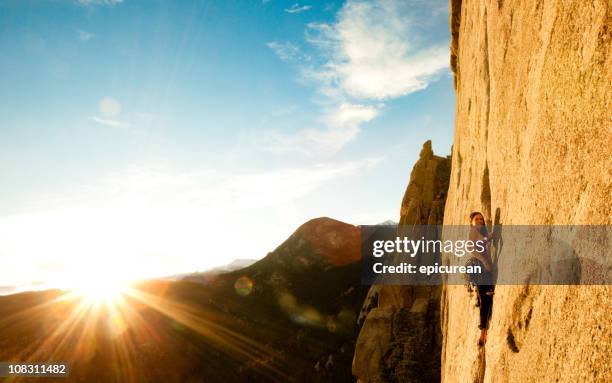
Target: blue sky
x,y
159,137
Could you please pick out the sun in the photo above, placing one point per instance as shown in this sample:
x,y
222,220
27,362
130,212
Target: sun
x,y
101,290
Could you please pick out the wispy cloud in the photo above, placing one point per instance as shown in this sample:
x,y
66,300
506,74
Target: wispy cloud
x,y
288,52
110,122
341,125
285,110
374,51
154,219
211,189
297,8
84,35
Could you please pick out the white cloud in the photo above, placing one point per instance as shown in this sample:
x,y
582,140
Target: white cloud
x,y
287,51
342,124
351,114
374,51
84,35
296,8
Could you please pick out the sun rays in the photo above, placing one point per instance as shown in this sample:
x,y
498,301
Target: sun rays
x,y
129,329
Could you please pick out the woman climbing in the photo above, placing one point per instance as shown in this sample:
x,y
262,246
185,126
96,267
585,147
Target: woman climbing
x,y
484,281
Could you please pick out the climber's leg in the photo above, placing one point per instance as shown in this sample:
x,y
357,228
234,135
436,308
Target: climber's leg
x,y
486,302
483,337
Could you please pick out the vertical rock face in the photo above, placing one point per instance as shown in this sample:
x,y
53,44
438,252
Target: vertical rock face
x,y
423,202
532,145
400,340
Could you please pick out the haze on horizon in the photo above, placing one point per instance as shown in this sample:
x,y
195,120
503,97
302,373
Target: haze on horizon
x,y
144,139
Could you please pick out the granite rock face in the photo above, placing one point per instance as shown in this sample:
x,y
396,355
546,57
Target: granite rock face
x,y
533,140
400,338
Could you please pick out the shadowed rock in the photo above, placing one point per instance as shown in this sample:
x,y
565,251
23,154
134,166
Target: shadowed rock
x,y
400,340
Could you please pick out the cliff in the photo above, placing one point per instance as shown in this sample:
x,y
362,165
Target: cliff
x,y
532,146
400,339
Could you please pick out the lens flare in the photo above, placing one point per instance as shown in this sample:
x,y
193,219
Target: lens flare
x,y
243,286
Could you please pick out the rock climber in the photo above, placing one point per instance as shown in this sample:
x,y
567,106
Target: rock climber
x,y
484,282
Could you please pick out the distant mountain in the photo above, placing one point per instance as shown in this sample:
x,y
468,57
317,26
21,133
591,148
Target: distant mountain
x,y
290,317
325,241
8,290
388,222
32,286
236,264
208,275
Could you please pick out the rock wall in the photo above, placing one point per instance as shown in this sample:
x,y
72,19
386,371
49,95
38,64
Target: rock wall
x,y
533,141
400,338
